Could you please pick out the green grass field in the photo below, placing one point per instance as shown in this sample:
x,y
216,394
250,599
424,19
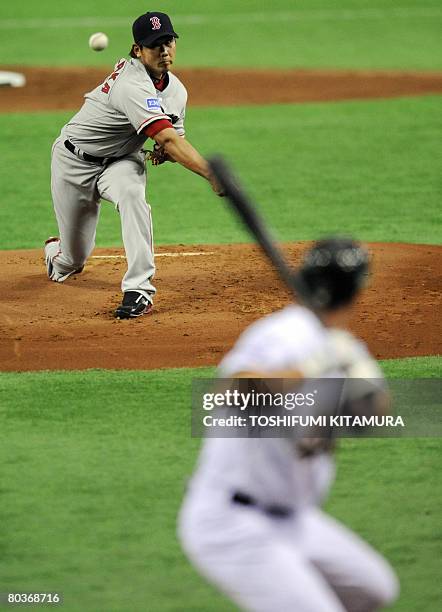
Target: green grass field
x,y
351,167
313,33
93,470
94,463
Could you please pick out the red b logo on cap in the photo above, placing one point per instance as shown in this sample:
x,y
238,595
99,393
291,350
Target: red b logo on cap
x,y
156,23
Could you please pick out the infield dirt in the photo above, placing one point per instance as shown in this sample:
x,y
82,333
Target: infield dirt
x,y
63,88
203,303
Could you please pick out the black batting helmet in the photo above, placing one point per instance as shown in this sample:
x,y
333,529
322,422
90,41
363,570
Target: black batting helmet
x,y
332,273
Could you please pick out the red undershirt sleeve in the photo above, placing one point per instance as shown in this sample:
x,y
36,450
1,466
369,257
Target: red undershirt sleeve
x,y
157,126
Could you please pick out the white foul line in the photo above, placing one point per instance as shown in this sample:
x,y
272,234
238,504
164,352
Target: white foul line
x,y
184,254
257,17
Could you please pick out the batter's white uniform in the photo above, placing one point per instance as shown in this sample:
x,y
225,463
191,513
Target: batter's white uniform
x,y
305,562
111,124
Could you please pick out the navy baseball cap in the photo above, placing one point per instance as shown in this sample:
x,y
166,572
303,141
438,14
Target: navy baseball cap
x,y
152,26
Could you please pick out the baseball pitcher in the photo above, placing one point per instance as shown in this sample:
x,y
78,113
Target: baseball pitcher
x,y
99,154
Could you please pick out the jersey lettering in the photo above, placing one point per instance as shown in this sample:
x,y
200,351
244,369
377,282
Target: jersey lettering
x,y
112,77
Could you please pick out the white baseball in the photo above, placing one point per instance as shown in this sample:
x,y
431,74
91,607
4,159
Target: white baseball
x,y
98,41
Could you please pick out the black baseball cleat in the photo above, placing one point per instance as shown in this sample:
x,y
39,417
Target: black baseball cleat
x,y
134,305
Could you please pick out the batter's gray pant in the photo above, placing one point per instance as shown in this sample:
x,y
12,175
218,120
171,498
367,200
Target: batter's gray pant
x,y
306,563
77,187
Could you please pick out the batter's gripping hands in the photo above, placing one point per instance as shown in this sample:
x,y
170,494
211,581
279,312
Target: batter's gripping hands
x,y
344,352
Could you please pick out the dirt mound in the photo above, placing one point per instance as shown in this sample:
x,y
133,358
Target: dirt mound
x,y
63,88
204,301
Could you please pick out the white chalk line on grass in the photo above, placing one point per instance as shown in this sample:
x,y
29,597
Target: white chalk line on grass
x,y
183,254
257,17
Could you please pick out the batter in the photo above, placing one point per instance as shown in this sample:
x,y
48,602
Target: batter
x,y
251,521
99,155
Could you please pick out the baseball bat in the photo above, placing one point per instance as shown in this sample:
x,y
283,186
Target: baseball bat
x,y
246,209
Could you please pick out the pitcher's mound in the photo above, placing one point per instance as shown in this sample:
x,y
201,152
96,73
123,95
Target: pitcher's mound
x,y
206,296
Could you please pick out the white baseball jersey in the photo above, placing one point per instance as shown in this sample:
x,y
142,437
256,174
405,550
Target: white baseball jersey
x,y
113,118
269,469
305,561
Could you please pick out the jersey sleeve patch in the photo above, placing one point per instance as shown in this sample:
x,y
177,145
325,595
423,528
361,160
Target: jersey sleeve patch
x,y
153,103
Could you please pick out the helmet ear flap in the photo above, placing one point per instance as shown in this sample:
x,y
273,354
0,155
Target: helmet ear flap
x,y
321,296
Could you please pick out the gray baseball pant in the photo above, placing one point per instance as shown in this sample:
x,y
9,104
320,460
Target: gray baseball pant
x,y
77,187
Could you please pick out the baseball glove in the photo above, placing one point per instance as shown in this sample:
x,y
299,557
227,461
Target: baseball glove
x,y
158,156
